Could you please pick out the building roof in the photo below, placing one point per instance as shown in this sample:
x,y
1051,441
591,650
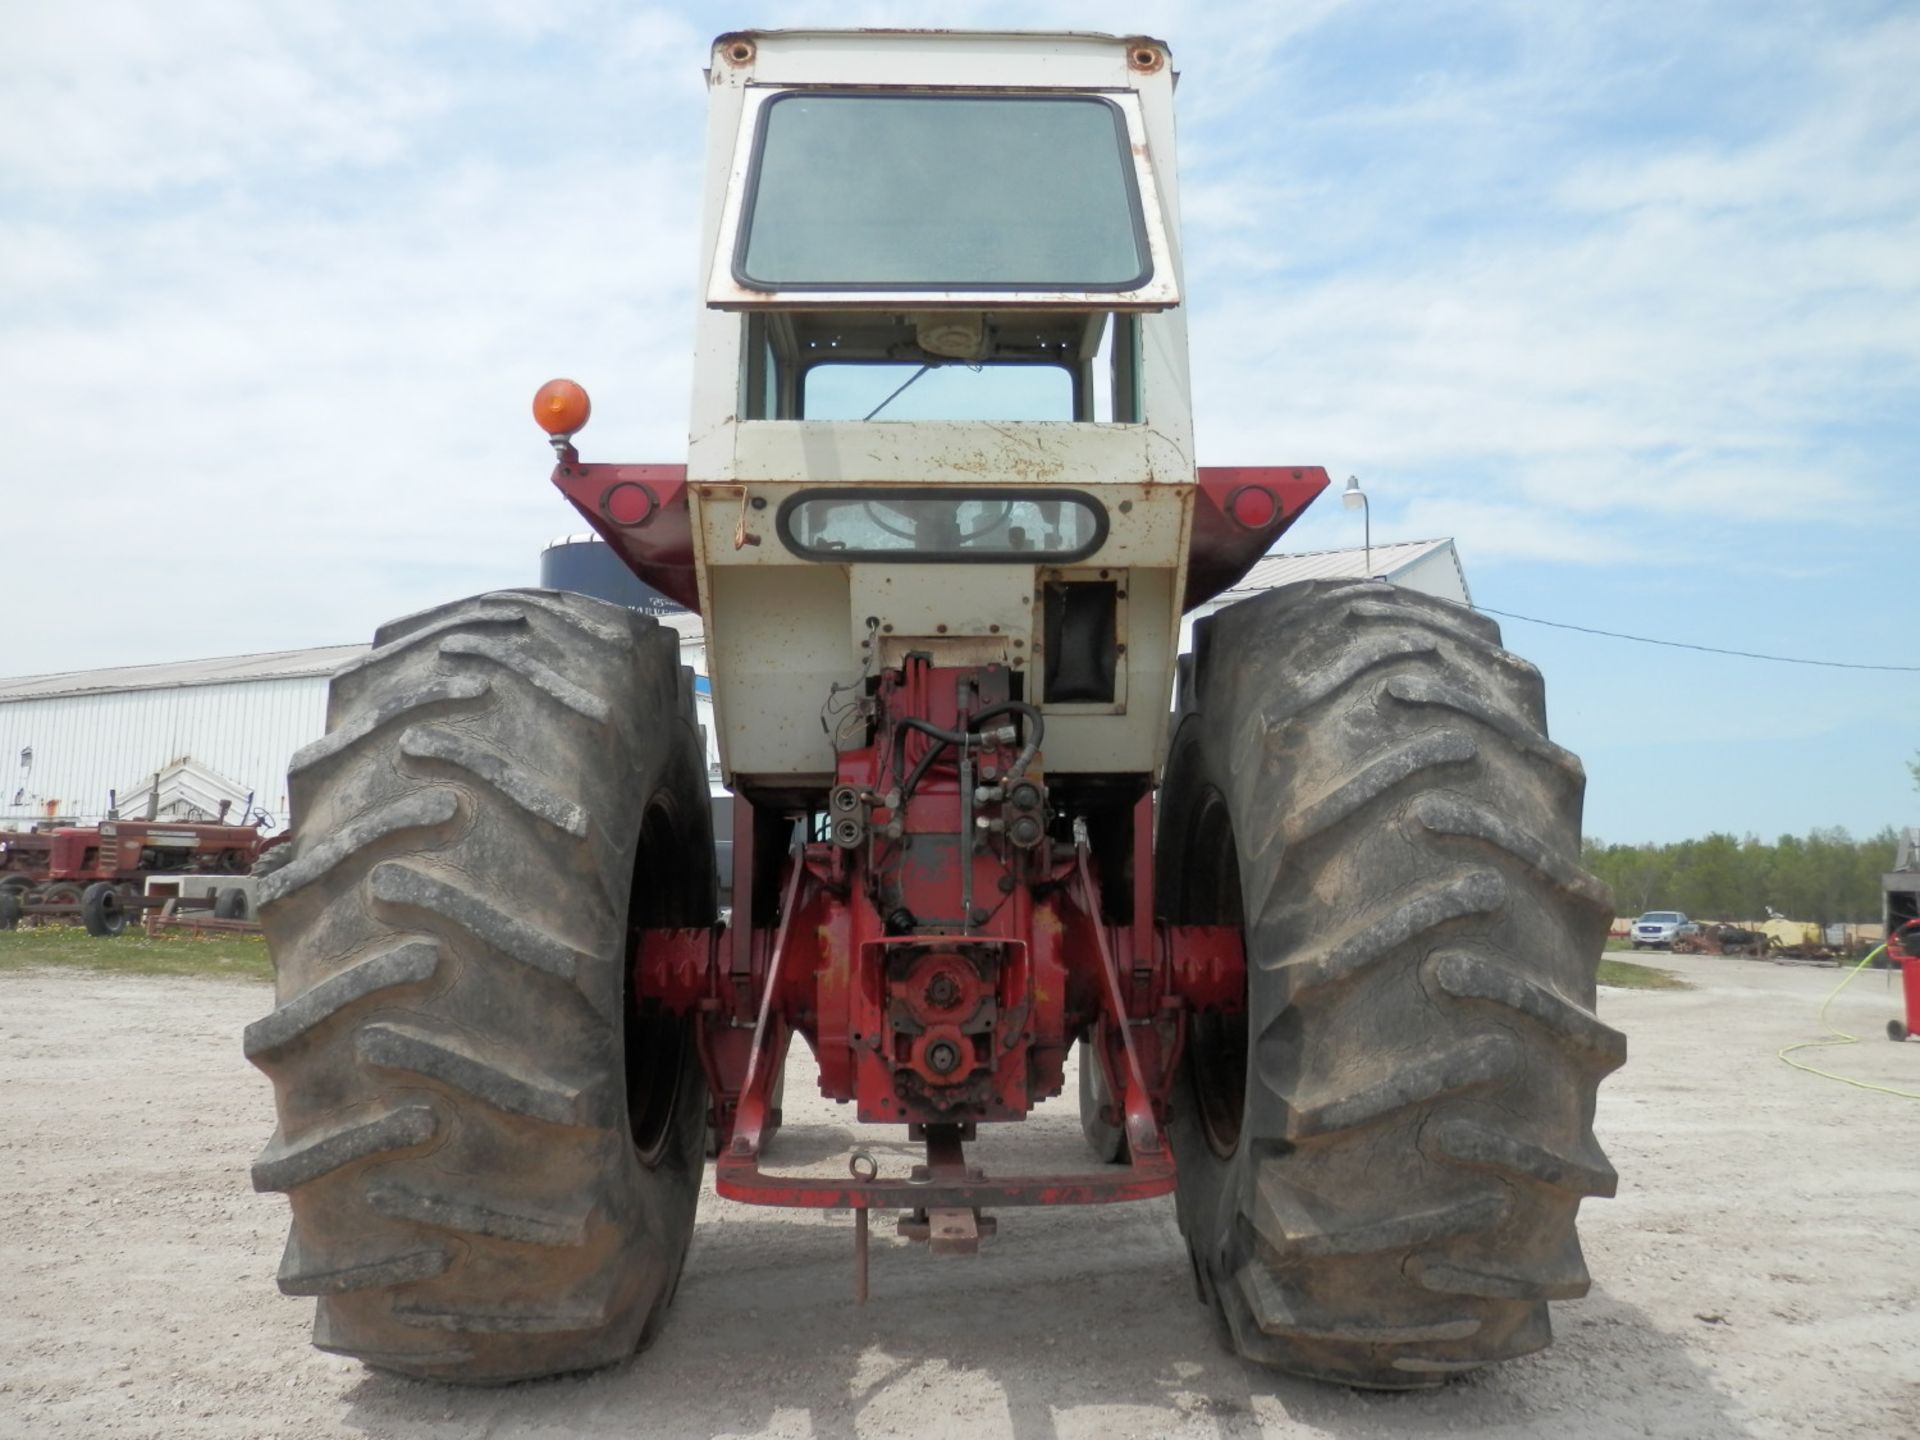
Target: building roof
x,y
176,674
1389,560
686,624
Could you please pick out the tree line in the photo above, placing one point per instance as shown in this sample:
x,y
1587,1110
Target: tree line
x,y
1825,876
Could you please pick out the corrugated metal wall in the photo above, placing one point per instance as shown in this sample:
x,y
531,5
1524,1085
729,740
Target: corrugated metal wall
x,y
86,745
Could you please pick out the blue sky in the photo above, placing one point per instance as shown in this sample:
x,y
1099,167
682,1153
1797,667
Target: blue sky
x,y
1626,298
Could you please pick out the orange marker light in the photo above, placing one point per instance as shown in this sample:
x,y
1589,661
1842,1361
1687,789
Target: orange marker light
x,y
561,407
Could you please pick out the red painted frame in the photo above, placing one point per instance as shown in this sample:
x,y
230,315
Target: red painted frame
x,y
641,511
1019,982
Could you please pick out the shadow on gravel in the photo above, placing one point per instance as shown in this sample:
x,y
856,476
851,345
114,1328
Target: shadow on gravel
x,y
1611,1371
1065,1326
800,1146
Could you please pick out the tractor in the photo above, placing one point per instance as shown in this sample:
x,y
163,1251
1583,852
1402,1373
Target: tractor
x,y
1308,898
97,874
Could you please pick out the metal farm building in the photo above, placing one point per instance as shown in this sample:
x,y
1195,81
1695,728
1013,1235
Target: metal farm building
x,y
67,741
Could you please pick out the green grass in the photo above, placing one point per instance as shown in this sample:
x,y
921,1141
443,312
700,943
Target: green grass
x,y
1639,977
244,957
240,957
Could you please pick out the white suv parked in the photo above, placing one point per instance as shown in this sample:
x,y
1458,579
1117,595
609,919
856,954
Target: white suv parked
x,y
1655,929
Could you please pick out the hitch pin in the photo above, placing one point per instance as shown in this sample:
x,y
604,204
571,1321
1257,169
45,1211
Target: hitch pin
x,y
863,1167
860,1255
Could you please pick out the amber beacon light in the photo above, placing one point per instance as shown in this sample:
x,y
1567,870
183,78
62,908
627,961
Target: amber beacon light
x,y
561,407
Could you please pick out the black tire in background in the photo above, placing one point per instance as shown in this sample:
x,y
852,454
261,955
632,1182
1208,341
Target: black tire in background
x,y
491,1153
1106,1139
230,904
61,892
11,906
1380,1163
103,910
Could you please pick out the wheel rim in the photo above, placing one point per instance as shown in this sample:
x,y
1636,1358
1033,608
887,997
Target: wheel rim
x,y
1208,886
656,1045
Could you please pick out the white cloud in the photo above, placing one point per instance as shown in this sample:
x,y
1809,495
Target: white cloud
x,y
124,98
1642,326
1497,531
324,402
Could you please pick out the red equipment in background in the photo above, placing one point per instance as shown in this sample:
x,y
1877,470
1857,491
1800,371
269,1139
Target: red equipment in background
x,y
127,851
47,873
1903,947
25,858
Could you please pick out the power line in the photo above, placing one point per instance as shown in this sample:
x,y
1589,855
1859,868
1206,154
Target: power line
x,y
1706,649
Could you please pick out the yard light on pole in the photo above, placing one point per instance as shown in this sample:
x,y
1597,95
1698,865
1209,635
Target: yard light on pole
x,y
1354,498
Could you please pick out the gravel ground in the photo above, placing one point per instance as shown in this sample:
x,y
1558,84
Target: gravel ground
x,y
1756,1275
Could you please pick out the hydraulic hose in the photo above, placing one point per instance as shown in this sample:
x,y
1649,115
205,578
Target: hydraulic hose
x,y
1841,1037
1037,728
943,738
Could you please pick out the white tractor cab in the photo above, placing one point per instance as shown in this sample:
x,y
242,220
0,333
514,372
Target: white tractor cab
x,y
879,217
940,397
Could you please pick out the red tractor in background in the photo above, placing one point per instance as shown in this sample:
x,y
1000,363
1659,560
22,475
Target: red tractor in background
x,y
25,858
1307,900
97,873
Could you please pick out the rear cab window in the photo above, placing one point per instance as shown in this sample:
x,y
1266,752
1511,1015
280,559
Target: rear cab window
x,y
941,255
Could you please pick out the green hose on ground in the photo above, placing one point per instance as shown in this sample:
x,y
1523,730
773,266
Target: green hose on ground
x,y
1841,1037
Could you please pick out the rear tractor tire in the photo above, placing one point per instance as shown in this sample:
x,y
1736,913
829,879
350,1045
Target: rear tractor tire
x,y
1381,1160
491,1154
